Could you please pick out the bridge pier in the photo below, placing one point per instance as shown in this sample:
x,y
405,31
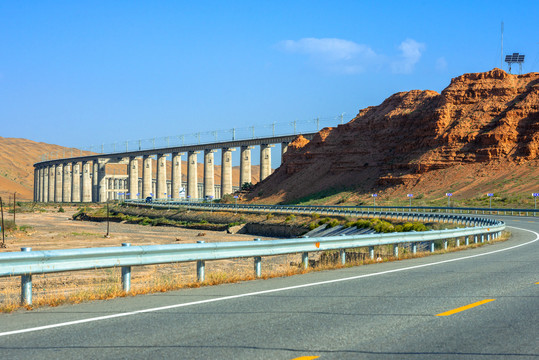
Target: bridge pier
x,y
52,172
176,175
161,191
86,182
245,165
101,188
75,182
133,177
146,176
95,181
226,171
192,175
209,188
67,180
58,186
265,160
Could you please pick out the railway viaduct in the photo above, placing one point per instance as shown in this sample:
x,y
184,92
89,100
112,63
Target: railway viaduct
x,y
84,178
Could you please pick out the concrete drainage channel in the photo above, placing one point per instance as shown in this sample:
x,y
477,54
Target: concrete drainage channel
x,y
27,262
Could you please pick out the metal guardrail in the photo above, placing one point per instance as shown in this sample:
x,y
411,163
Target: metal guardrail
x,y
28,262
344,209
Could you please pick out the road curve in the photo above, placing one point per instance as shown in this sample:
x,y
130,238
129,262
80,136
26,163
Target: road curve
x,y
490,296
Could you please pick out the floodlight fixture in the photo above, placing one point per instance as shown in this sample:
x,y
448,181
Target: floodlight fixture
x,y
515,58
448,199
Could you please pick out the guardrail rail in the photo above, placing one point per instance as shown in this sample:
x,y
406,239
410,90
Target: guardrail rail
x,y
27,262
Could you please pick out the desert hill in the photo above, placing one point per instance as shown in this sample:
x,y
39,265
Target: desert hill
x,y
481,134
17,159
18,156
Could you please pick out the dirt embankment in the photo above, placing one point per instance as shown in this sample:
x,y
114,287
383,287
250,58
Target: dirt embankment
x,y
270,225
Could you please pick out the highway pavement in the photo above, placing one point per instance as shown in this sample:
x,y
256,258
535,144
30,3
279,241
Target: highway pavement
x,y
476,304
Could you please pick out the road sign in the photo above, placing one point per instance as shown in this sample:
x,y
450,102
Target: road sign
x,y
448,194
490,194
410,195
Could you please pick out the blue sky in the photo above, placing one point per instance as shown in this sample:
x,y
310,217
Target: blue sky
x,y
77,73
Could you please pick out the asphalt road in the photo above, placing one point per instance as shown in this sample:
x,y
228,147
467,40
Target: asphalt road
x,y
380,311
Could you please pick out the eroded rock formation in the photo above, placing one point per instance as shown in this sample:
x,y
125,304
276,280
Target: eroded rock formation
x,y
479,118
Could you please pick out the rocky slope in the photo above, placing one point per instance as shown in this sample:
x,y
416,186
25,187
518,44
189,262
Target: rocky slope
x,y
481,127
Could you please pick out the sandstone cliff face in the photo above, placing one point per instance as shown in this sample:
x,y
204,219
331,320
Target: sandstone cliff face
x,y
479,118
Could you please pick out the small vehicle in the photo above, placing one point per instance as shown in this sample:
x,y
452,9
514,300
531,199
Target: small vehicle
x,y
149,199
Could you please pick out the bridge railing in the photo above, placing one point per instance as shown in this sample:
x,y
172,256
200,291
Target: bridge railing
x,y
294,127
29,262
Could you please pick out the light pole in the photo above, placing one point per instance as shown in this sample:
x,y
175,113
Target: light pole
x,y
490,195
410,196
374,199
448,199
235,204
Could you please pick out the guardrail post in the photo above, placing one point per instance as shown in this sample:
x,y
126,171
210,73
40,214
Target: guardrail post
x,y
371,252
482,238
26,285
432,246
258,265
488,237
305,260
475,239
466,240
200,266
126,274
342,253
457,242
414,248
445,244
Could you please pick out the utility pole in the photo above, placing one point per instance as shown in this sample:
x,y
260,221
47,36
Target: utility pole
x,y
14,207
2,211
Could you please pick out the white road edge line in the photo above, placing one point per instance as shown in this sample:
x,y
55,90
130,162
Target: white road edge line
x,y
99,318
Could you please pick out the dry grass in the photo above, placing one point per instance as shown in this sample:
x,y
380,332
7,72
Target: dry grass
x,y
103,284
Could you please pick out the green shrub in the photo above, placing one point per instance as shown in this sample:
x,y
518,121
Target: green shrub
x,y
290,218
384,227
324,221
61,209
9,225
363,224
333,223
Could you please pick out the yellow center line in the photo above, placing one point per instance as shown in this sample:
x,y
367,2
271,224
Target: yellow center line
x,y
462,308
537,283
306,358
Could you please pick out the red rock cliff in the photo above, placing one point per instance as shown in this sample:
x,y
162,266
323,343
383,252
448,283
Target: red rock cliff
x,y
478,118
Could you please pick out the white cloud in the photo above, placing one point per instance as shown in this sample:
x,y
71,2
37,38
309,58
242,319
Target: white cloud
x,y
334,54
328,48
349,57
441,64
410,54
